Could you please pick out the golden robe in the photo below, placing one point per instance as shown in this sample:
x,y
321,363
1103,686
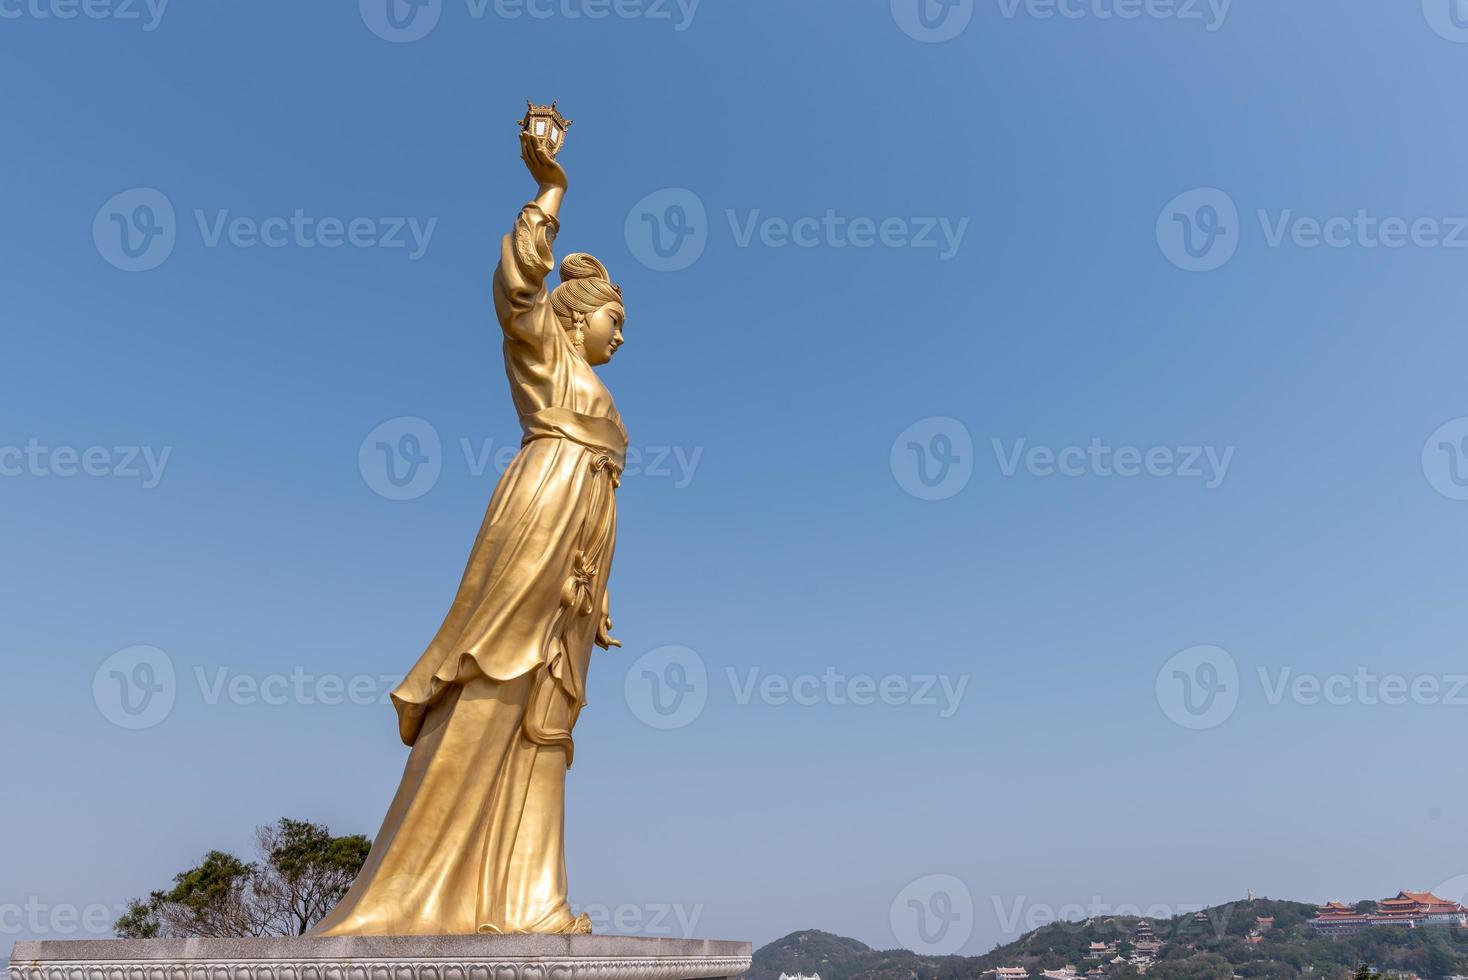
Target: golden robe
x,y
474,840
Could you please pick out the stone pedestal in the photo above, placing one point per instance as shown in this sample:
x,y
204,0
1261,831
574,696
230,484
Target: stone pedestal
x,y
383,958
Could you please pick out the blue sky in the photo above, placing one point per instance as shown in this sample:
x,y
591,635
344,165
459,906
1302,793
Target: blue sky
x,y
910,291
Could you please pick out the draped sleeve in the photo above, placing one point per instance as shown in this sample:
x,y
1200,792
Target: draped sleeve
x,y
526,259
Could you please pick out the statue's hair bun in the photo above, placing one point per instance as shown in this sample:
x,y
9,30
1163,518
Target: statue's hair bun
x,y
585,287
579,265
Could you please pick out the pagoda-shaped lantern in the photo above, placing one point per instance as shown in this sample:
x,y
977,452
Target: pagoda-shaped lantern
x,y
547,125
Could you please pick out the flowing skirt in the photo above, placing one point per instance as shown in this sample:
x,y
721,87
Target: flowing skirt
x,y
474,841
473,775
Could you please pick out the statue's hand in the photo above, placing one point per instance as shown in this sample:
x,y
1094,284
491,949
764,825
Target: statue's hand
x,y
542,166
604,637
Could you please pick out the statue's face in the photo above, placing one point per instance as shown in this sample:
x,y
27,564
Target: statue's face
x,y
604,333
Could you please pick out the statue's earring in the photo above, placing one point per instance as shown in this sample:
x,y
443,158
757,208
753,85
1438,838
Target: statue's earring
x,y
578,339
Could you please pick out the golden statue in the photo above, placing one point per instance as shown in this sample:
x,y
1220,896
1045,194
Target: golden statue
x,y
474,840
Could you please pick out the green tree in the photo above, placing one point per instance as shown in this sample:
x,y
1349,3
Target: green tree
x,y
302,873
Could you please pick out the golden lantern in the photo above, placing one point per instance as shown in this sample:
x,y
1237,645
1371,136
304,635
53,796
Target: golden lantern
x,y
547,125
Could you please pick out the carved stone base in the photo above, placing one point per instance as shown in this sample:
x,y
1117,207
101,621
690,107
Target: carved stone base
x,y
383,958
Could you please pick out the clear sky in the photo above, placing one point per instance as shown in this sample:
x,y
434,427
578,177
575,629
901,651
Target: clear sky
x,y
912,290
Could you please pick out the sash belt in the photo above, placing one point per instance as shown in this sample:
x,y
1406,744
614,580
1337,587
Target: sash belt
x,y
599,434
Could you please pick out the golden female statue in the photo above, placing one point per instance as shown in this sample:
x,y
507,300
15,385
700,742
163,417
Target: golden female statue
x,y
474,840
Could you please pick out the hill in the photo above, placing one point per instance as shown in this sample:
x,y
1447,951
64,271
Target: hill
x,y
1217,944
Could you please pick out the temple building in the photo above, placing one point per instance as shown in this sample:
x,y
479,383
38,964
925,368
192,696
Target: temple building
x,y
1335,919
1420,909
1409,910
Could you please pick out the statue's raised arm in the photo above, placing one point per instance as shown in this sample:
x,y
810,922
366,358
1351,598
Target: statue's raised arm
x,y
549,175
527,256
